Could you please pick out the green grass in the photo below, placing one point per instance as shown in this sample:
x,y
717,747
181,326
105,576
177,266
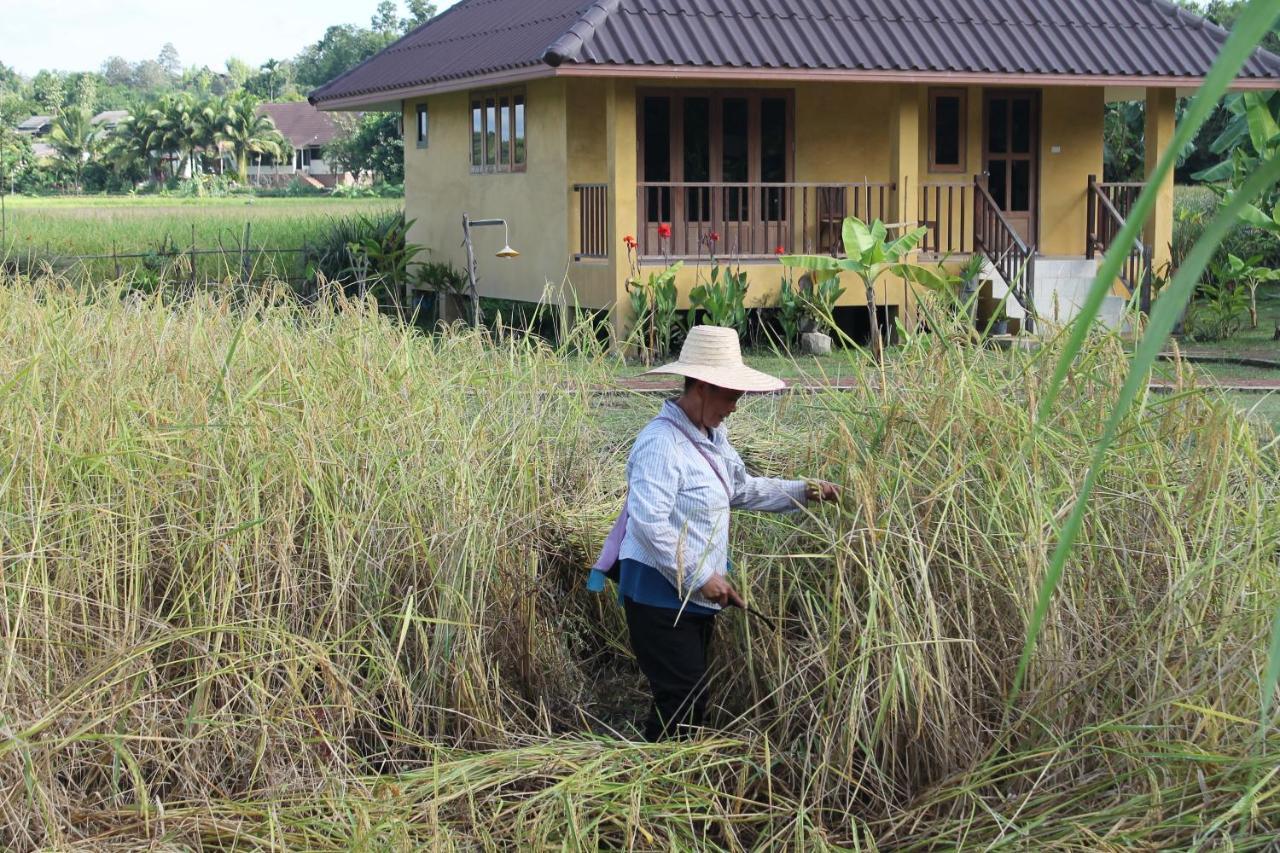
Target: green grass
x,y
1263,408
1254,343
311,580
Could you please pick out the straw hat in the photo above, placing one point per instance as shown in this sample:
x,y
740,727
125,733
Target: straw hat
x,y
713,355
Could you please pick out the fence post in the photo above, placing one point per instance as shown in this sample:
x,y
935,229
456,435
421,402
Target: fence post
x,y
116,259
244,249
193,256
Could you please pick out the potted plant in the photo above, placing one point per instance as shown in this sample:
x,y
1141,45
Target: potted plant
x,y
999,320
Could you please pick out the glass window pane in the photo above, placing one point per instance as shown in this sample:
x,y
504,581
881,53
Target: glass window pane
x,y
1020,185
520,143
735,161
998,182
1021,126
697,157
657,156
998,126
422,124
490,132
946,130
504,131
773,156
477,133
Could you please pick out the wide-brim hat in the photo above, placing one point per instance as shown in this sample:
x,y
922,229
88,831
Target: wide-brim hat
x,y
713,355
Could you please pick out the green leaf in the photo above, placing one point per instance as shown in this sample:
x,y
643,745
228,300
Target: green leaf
x,y
814,263
1253,24
1221,172
906,243
1262,124
857,237
921,275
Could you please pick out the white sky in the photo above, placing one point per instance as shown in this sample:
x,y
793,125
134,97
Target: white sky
x,y
77,35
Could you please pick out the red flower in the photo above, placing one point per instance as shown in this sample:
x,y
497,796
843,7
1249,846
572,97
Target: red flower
x,y
713,237
630,241
780,251
664,230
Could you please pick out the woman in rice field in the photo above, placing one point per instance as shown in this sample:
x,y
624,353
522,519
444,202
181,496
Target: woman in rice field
x,y
669,551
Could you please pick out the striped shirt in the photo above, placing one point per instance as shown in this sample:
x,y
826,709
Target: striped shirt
x,y
678,508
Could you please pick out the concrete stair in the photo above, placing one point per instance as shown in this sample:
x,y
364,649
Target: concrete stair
x,y
1061,287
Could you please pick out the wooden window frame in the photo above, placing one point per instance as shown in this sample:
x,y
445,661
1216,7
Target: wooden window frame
x,y
504,117
962,147
716,96
424,125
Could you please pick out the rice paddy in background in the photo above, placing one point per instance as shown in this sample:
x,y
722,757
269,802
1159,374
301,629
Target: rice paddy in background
x,y
93,226
278,578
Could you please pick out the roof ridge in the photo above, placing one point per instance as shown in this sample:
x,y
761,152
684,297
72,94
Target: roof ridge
x,y
568,47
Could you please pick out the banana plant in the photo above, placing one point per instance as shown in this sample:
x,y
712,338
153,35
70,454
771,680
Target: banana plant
x,y
869,255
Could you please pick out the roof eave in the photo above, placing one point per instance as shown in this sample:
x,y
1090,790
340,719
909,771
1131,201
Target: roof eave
x,y
831,75
388,100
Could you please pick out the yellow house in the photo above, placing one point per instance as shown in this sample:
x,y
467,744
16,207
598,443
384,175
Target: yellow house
x,y
747,128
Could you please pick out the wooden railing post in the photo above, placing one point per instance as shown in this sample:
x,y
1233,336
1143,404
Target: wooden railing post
x,y
1148,261
1090,240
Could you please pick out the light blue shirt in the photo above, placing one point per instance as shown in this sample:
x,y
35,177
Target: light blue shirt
x,y
678,508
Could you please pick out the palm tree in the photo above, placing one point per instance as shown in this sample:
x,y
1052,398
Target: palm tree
x,y
175,129
271,68
75,138
130,151
244,132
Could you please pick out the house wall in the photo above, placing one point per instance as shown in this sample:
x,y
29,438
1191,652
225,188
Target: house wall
x,y
582,130
440,188
1070,151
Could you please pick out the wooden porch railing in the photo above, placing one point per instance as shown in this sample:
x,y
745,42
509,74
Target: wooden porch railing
x,y
1013,258
946,209
593,221
1108,207
753,219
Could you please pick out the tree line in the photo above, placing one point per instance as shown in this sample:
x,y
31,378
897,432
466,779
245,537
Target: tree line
x,y
195,112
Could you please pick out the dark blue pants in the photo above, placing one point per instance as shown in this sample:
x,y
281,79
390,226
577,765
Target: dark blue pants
x,y
673,656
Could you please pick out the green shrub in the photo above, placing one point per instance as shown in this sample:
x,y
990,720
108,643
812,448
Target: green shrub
x,y
1193,207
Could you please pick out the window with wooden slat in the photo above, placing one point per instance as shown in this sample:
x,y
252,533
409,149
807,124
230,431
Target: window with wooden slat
x,y
498,131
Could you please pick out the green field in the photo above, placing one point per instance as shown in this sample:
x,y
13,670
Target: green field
x,y
55,229
307,579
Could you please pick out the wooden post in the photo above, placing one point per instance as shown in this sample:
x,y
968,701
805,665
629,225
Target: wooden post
x,y
1092,213
116,259
193,256
472,292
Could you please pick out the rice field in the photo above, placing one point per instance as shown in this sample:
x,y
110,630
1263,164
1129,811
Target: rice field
x,y
57,230
277,578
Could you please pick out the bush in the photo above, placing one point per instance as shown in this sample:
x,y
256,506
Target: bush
x,y
1192,210
369,252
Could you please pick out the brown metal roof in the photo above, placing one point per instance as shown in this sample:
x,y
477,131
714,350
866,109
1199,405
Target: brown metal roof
x,y
1112,39
301,123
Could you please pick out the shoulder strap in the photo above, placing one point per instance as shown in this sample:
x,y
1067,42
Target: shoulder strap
x,y
711,464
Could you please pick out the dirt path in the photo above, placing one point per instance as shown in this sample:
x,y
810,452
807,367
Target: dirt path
x,y
650,386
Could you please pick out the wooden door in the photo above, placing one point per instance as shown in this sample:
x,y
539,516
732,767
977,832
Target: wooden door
x,y
1011,152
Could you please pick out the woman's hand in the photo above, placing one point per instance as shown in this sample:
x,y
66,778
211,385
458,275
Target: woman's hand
x,y
821,490
719,590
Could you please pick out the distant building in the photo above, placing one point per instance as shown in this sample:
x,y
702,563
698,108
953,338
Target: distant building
x,y
108,120
36,126
308,130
